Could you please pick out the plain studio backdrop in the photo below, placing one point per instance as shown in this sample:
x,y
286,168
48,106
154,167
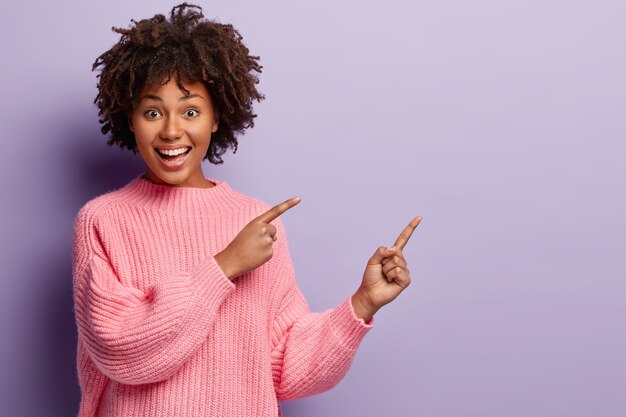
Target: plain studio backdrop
x,y
500,122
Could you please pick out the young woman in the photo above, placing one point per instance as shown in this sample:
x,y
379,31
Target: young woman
x,y
185,297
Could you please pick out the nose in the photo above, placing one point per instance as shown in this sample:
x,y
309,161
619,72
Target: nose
x,y
171,128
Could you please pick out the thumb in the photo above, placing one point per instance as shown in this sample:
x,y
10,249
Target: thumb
x,y
381,253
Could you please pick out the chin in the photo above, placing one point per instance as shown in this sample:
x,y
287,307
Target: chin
x,y
170,178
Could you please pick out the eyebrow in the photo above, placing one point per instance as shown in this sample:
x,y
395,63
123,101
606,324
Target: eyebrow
x,y
183,98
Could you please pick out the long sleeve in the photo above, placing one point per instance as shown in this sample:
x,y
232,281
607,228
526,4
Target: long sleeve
x,y
163,332
311,351
139,336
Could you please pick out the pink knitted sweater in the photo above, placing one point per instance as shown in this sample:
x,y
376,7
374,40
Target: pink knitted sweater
x,y
162,332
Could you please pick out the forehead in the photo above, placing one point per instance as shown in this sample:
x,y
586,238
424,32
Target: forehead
x,y
171,87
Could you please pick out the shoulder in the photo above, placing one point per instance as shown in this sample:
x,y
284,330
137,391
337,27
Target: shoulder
x,y
98,211
255,206
98,207
92,218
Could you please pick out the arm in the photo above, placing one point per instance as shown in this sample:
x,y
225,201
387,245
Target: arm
x,y
311,351
135,336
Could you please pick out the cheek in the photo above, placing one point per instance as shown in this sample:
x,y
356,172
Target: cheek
x,y
142,144
202,135
133,121
142,134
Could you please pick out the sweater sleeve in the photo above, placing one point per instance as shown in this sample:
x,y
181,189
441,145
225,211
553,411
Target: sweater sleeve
x,y
311,351
139,336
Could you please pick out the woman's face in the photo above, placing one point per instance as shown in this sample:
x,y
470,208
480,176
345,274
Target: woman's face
x,y
166,120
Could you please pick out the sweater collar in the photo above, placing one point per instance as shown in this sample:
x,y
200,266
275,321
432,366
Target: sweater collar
x,y
180,200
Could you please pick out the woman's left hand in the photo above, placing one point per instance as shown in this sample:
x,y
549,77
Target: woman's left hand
x,y
386,276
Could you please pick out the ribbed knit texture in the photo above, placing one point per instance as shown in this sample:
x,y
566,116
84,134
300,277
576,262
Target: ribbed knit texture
x,y
162,332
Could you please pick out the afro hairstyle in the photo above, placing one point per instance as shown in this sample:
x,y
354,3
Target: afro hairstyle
x,y
192,48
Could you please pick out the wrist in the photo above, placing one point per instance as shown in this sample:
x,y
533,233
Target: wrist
x,y
362,307
222,261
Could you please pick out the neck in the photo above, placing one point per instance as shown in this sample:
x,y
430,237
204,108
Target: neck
x,y
202,182
185,201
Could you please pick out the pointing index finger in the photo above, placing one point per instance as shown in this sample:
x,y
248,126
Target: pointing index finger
x,y
277,210
401,241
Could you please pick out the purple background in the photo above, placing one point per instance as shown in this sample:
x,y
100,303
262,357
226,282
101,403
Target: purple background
x,y
500,122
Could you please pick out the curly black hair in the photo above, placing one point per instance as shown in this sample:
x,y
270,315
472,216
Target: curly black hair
x,y
193,48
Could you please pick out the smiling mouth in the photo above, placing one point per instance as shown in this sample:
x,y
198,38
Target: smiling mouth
x,y
177,156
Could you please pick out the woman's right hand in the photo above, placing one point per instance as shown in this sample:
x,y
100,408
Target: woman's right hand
x,y
253,245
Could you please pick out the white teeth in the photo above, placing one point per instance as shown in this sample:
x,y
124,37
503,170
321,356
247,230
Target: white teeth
x,y
173,152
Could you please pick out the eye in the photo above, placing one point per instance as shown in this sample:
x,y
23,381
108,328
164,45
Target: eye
x,y
191,113
152,114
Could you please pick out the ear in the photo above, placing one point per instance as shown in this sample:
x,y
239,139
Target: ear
x,y
216,123
130,124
